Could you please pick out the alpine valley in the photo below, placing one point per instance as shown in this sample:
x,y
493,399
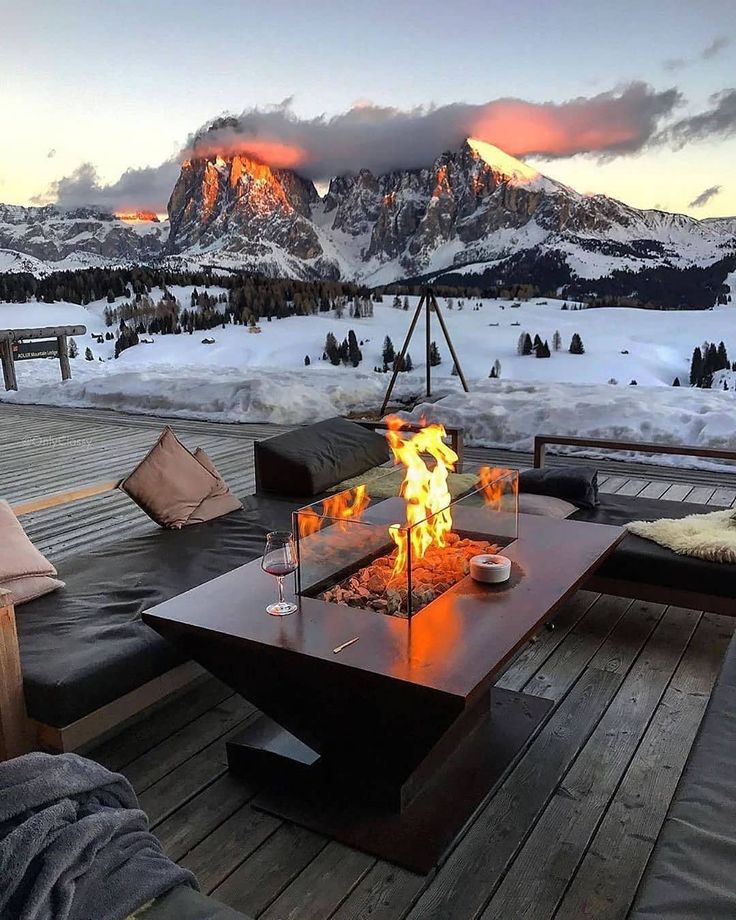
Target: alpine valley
x,y
474,216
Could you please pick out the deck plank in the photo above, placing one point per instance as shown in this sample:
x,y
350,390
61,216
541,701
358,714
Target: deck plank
x,y
623,843
466,881
258,881
322,887
539,877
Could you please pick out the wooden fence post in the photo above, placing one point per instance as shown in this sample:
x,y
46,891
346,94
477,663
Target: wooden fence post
x,y
6,354
14,726
66,371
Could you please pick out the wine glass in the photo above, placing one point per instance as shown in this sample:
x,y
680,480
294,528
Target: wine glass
x,y
279,559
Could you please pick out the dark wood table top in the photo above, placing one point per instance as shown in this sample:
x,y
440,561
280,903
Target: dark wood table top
x,y
455,645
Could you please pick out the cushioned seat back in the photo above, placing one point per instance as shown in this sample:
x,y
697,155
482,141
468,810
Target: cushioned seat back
x,y
310,460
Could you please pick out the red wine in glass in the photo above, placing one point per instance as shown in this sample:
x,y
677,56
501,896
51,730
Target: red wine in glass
x,y
279,559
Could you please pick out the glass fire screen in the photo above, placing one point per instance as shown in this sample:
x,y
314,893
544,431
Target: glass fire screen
x,y
397,550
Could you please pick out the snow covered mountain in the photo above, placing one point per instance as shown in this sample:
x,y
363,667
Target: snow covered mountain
x,y
472,208
38,239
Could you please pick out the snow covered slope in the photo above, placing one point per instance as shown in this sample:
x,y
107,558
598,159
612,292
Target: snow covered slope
x,y
51,238
244,377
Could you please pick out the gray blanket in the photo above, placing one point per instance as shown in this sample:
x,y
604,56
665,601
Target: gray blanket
x,y
73,843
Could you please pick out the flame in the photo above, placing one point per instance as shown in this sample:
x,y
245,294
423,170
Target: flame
x,y
424,490
340,508
496,482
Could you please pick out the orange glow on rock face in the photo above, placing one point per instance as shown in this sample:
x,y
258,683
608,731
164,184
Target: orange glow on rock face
x,y
276,154
520,128
134,217
424,490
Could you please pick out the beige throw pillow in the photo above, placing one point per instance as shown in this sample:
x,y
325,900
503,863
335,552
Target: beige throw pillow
x,y
169,484
24,571
220,501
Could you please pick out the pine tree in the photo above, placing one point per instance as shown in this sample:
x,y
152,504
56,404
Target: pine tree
x,y
332,349
406,302
73,350
520,344
389,354
676,382
557,341
408,363
307,361
722,357
576,345
497,367
88,356
434,355
493,374
355,356
537,343
453,372
528,347
696,368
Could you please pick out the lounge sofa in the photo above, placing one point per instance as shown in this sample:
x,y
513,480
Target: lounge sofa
x,y
76,662
690,873
642,569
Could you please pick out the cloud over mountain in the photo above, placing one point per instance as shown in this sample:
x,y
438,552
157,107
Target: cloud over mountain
x,y
382,138
146,188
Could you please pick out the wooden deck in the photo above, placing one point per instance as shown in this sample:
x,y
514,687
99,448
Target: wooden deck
x,y
568,833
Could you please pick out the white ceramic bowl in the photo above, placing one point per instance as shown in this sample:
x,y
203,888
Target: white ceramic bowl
x,y
490,568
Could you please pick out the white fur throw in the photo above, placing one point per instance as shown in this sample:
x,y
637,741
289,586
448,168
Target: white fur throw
x,y
705,536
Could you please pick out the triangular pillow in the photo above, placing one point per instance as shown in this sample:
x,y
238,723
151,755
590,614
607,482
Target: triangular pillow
x,y
168,483
220,501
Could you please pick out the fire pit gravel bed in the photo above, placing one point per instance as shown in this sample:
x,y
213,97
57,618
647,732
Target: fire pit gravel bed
x,y
375,586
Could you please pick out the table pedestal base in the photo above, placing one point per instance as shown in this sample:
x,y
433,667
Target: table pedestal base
x,y
300,788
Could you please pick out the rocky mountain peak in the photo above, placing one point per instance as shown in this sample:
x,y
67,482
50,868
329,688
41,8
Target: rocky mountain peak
x,y
239,201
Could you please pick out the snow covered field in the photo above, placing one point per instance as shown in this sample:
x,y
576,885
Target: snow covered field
x,y
244,377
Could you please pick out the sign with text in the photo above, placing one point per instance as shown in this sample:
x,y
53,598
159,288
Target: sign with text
x,y
22,351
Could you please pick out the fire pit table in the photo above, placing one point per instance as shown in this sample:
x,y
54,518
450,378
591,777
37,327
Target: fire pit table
x,y
391,742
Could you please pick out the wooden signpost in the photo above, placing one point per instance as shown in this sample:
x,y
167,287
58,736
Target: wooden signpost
x,y
39,342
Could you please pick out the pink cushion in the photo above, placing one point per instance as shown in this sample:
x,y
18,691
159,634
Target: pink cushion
x,y
30,587
24,571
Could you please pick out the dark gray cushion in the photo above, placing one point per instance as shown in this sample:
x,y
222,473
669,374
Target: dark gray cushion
x,y
578,485
310,460
86,645
186,904
646,562
691,870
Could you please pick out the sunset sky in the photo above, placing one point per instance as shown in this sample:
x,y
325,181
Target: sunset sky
x,y
91,89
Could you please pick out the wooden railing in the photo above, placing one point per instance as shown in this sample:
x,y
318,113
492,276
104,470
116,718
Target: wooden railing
x,y
541,441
